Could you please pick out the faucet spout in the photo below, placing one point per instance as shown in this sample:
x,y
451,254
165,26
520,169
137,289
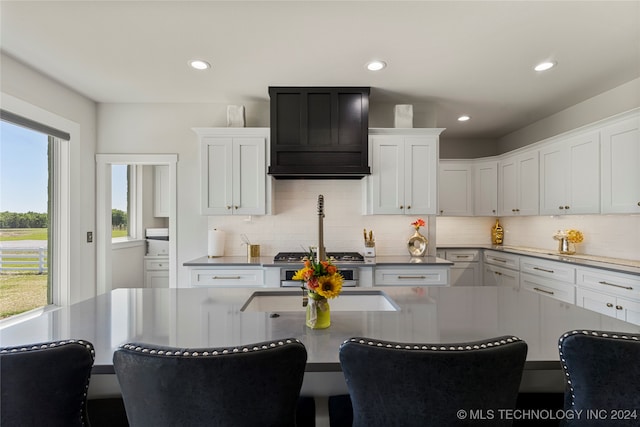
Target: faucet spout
x,y
322,256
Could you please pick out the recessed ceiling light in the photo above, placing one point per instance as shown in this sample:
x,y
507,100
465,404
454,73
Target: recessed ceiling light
x,y
544,66
376,65
464,118
199,64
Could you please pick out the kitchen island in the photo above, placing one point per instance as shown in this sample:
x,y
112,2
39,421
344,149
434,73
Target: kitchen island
x,y
212,317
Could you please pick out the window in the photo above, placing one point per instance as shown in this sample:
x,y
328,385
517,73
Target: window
x,y
126,205
120,201
27,197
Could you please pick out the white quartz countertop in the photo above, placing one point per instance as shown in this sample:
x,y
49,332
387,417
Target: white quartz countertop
x,y
584,260
269,262
213,317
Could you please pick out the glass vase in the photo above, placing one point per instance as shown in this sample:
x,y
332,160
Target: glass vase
x,y
318,312
417,244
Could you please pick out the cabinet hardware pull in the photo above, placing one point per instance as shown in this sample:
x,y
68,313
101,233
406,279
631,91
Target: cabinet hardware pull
x,y
409,207
499,259
498,273
560,207
228,207
494,211
236,207
566,207
542,269
618,307
401,207
609,305
412,277
463,256
225,277
542,290
630,288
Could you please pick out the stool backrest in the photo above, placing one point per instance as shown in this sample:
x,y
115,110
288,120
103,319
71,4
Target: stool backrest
x,y
410,384
246,385
45,384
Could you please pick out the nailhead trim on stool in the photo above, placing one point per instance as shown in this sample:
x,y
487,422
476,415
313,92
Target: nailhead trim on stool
x,y
207,352
455,347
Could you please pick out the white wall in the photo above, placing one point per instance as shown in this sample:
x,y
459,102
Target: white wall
x,y
623,98
40,91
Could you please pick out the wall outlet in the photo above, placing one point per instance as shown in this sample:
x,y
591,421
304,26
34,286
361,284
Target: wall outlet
x,y
89,236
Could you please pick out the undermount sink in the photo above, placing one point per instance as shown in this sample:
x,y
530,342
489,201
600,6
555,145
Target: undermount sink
x,y
272,301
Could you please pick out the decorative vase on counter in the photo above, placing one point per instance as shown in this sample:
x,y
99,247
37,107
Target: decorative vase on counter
x,y
318,312
566,247
417,244
497,233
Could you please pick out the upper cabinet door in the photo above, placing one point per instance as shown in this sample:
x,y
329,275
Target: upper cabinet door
x,y
249,176
620,152
518,184
387,189
161,191
455,188
421,175
486,188
217,176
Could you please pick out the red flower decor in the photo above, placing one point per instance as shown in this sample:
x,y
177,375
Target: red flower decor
x,y
418,223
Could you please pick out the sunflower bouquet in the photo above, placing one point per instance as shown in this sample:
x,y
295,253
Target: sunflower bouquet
x,y
572,235
321,279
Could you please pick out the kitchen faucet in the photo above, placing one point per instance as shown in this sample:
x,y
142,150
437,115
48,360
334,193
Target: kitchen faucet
x,y
321,253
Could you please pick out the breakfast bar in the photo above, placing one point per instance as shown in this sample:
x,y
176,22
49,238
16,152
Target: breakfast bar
x,y
214,317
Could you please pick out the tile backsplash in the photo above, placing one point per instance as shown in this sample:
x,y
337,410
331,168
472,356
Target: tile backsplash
x,y
294,225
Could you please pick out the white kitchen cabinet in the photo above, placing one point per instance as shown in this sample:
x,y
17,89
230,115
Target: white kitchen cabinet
x,y
569,175
227,277
500,276
465,270
620,154
161,191
233,171
518,187
156,271
455,188
486,188
404,171
611,293
411,276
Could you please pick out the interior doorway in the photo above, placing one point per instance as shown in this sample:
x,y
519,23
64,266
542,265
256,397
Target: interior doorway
x,y
104,163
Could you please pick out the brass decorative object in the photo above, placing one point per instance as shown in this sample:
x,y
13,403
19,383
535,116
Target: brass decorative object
x,y
497,233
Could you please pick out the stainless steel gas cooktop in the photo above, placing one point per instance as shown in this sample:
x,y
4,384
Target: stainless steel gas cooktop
x,y
341,257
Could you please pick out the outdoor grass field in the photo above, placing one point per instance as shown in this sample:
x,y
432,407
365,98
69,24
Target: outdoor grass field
x,y
21,292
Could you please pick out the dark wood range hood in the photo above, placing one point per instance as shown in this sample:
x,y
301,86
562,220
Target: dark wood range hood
x,y
319,132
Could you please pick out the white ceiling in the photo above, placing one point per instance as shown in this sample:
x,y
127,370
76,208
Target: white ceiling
x,y
473,57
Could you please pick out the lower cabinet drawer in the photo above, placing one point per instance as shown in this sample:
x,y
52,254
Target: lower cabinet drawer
x,y
502,259
549,269
156,264
226,278
559,290
412,277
